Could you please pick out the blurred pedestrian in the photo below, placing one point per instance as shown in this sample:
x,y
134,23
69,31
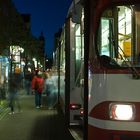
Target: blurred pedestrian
x,y
28,80
33,75
13,87
50,90
37,86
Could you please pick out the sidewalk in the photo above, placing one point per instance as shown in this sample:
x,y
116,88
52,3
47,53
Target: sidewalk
x,y
4,109
33,124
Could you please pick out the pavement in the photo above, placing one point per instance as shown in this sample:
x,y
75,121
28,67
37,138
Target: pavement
x,y
32,123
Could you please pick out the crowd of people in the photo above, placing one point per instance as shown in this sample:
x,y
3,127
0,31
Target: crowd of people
x,y
36,83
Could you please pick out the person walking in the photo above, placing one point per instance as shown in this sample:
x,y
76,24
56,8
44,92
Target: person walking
x,y
13,87
37,86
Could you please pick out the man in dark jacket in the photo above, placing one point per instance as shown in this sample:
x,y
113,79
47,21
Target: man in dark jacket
x,y
28,80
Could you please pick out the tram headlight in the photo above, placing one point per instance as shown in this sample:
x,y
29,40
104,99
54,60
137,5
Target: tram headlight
x,y
124,112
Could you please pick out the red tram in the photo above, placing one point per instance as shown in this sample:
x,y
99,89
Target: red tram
x,y
105,35
114,70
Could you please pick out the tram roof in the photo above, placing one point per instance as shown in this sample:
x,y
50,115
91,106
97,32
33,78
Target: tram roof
x,y
75,10
74,2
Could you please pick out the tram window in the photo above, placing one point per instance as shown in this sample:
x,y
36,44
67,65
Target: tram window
x,y
119,33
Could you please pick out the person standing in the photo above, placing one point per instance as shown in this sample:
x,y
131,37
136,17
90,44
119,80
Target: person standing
x,y
28,79
37,86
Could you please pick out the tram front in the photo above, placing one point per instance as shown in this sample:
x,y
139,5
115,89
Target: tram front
x,y
114,81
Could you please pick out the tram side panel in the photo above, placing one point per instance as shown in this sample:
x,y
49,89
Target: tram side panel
x,y
62,91
75,89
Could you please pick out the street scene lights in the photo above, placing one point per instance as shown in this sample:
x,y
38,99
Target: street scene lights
x,y
15,57
35,62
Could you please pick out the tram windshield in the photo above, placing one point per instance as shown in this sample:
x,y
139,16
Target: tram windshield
x,y
119,35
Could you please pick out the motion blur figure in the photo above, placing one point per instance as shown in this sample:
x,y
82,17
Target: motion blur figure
x,y
28,80
13,86
51,90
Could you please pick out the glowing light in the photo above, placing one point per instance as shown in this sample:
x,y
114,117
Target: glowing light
x,y
122,111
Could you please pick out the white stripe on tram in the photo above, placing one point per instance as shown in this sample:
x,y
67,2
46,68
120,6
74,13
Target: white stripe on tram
x,y
114,125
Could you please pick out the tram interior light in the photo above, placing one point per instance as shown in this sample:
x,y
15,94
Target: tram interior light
x,y
122,111
73,25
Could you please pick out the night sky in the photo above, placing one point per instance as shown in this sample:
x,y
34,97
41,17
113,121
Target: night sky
x,y
47,16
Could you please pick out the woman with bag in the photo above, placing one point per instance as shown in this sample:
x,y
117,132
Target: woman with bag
x,y
38,86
